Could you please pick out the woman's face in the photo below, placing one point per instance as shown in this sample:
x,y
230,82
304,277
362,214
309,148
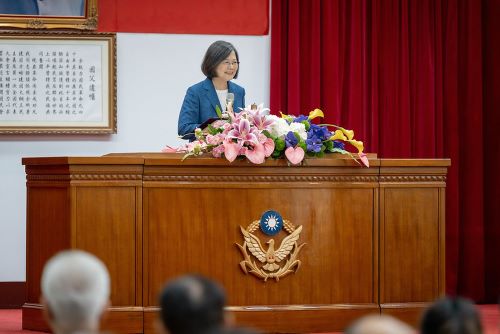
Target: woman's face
x,y
227,68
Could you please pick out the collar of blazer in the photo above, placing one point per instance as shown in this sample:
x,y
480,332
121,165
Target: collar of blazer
x,y
209,88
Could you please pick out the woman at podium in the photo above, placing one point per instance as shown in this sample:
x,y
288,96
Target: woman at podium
x,y
220,65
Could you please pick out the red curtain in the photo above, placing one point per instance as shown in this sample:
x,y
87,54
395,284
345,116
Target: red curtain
x,y
408,76
491,121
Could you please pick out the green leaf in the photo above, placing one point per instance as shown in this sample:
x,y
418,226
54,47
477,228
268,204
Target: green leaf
x,y
218,111
279,144
276,154
288,118
187,155
267,134
339,150
306,124
296,134
211,130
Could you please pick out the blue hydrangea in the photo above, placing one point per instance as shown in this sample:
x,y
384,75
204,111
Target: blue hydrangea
x,y
300,118
314,144
319,132
291,140
338,144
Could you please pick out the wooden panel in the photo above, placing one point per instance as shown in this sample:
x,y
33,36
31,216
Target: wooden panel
x,y
106,227
315,320
13,294
116,320
292,319
192,211
195,230
410,245
33,318
442,241
151,320
123,320
48,231
411,313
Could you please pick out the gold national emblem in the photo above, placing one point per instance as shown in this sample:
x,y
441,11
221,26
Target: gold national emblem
x,y
272,262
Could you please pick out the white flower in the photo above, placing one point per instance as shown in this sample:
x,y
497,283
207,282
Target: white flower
x,y
280,126
300,128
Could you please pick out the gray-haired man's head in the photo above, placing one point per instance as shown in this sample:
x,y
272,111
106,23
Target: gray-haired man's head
x,y
75,290
379,324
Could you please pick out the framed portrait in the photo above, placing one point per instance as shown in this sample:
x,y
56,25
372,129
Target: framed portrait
x,y
57,83
49,14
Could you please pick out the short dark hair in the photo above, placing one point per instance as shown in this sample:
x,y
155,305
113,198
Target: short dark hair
x,y
451,315
192,304
216,53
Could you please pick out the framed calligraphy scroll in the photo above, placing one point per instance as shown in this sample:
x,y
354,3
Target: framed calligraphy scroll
x,y
49,14
57,83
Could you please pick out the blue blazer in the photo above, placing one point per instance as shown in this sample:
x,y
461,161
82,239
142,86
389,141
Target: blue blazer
x,y
199,105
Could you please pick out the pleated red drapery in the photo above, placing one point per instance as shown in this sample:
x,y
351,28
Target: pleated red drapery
x,y
407,76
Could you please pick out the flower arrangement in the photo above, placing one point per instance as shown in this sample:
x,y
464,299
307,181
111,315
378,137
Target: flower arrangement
x,y
255,135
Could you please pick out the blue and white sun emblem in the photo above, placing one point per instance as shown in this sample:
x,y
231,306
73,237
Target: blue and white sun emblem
x,y
271,222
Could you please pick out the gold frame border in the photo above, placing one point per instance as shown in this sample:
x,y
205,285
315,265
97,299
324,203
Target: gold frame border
x,y
87,22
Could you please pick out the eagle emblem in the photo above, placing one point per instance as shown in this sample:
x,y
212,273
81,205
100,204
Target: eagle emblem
x,y
274,263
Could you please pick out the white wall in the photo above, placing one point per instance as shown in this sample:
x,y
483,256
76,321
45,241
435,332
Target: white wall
x,y
154,71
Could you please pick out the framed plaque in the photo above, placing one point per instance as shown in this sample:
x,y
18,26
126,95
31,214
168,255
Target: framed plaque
x,y
57,82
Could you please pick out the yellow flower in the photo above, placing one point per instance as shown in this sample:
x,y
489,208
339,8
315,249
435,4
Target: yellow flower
x,y
288,118
348,133
338,136
358,144
316,113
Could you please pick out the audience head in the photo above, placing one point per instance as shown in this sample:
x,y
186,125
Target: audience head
x,y
192,304
379,324
451,316
75,291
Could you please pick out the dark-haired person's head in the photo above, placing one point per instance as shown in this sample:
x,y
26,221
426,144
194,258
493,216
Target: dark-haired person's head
x,y
451,315
220,53
192,304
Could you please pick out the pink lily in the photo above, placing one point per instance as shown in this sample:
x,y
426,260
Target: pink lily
x,y
170,149
261,122
260,108
242,132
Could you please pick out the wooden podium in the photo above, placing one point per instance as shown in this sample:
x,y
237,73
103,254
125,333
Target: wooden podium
x,y
374,236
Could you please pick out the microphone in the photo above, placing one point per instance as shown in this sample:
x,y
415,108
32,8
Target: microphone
x,y
229,101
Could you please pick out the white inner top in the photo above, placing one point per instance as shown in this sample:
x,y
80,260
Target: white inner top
x,y
222,95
